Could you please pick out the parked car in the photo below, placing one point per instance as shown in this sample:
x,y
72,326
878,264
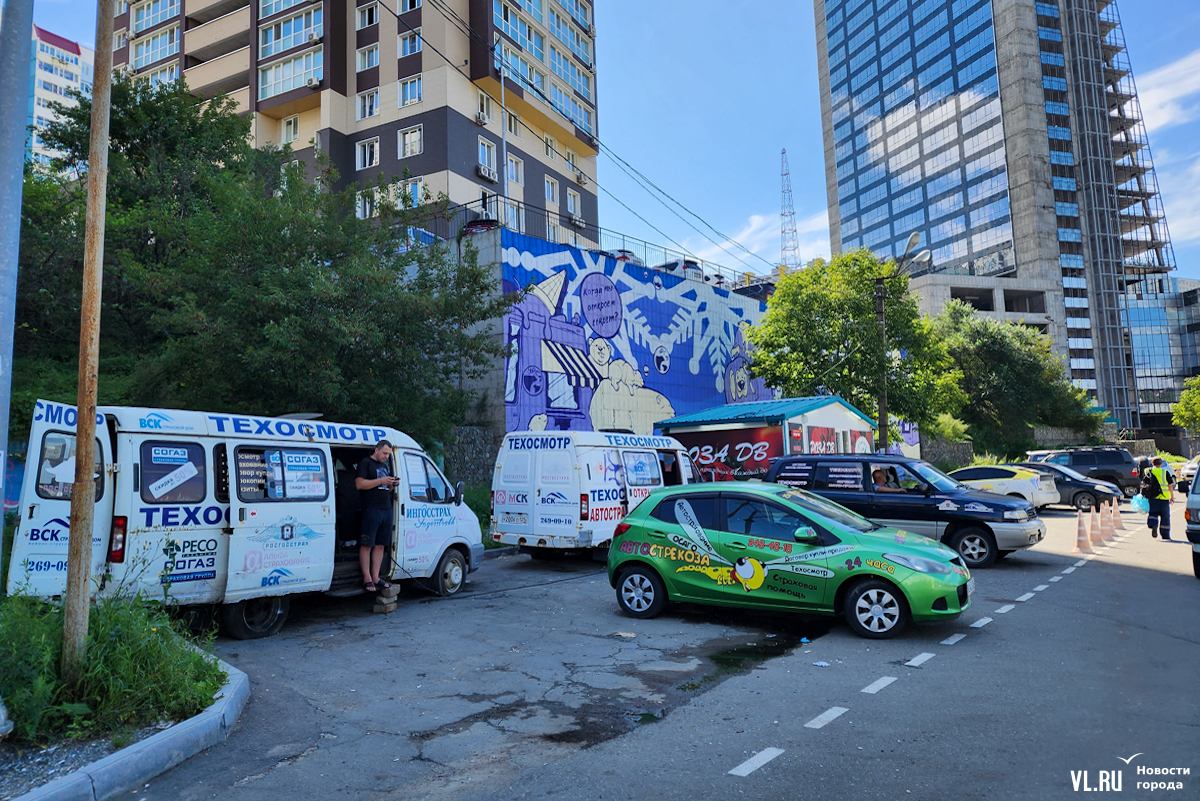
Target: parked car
x,y
1114,465
1187,474
1076,489
480,225
1036,487
685,267
765,546
1191,514
981,526
629,256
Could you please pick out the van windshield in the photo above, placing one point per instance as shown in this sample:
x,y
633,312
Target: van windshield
x,y
829,510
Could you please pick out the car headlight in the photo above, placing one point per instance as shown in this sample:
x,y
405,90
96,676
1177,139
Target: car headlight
x,y
919,564
1015,514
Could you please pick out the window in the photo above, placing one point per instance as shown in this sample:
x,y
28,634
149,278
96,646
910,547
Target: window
x,y
703,509
281,474
425,483
514,125
150,14
565,68
519,30
410,143
579,10
120,39
368,16
291,129
368,154
571,159
409,5
412,193
165,75
641,469
157,47
516,170
485,105
269,7
409,43
368,104
573,205
292,32
365,205
487,153
569,35
410,91
551,148
551,190
293,73
839,476
571,108
173,472
366,57
56,475
751,517
120,7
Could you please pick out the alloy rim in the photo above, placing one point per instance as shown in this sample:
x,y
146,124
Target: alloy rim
x,y
973,548
877,610
637,592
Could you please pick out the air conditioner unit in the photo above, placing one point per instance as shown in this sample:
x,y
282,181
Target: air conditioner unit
x,y
313,36
124,69
132,35
581,178
577,221
487,173
481,118
313,83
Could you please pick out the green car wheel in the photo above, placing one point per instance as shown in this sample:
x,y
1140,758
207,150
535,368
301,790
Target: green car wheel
x,y
875,609
641,593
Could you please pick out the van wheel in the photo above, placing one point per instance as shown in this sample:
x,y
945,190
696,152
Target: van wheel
x,y
451,573
641,593
976,546
875,609
255,617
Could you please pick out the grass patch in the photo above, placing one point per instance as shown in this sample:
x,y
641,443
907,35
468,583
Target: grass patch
x,y
479,498
139,670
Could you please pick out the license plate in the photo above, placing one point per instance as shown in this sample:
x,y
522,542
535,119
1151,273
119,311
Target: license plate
x,y
970,587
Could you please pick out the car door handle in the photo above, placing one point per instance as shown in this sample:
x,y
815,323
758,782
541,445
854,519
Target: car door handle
x,y
736,546
658,535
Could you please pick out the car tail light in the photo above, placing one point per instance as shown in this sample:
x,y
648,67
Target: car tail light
x,y
493,501
622,528
1133,473
116,540
583,506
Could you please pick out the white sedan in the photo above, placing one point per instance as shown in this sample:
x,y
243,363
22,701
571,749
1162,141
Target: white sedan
x,y
1037,488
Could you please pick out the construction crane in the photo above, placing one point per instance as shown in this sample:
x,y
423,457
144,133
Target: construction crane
x,y
790,248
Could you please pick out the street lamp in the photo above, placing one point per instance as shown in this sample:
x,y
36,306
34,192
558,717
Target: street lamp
x,y
907,261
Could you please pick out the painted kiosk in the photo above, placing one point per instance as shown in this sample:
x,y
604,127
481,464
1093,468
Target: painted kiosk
x,y
232,511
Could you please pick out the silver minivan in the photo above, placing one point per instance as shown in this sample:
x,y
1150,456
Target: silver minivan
x,y
1192,515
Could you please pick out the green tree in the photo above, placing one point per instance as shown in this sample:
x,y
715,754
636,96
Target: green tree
x,y
1186,413
234,282
1012,380
820,335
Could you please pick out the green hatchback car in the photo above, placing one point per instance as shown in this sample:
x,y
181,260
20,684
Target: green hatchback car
x,y
767,546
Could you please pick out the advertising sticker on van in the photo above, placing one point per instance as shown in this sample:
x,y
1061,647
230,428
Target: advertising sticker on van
x,y
169,455
173,479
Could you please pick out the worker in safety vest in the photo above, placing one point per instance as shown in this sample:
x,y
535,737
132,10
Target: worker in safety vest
x,y
1158,487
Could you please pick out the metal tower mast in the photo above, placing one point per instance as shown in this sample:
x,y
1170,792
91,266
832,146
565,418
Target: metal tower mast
x,y
790,248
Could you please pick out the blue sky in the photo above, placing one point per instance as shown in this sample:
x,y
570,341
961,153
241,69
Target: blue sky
x,y
701,96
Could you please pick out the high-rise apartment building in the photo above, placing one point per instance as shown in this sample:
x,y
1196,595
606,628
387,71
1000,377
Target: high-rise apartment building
x,y
400,87
57,67
1008,134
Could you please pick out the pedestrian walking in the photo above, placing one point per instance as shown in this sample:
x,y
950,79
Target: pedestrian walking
x,y
1158,489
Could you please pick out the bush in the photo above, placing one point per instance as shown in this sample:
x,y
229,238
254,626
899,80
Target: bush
x,y
949,428
983,459
138,670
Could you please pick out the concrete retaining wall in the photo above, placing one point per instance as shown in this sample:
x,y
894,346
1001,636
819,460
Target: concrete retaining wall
x,y
471,456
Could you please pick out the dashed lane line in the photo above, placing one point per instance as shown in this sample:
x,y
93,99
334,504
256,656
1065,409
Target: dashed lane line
x,y
876,686
919,659
757,761
829,714
1041,587
1081,562
1005,609
983,621
953,638
1025,597
1056,578
1068,571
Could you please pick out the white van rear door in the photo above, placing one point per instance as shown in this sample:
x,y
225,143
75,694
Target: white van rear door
x,y
557,497
39,555
513,491
282,514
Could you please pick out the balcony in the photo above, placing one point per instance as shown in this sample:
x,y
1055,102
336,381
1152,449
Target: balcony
x,y
228,73
220,36
1134,222
202,11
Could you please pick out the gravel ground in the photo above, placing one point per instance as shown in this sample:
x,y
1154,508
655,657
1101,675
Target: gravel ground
x,y
24,767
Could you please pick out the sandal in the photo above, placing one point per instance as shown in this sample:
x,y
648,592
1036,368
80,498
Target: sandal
x,y
369,586
384,585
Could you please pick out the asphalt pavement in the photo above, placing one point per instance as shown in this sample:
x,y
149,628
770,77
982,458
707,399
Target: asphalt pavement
x,y
531,685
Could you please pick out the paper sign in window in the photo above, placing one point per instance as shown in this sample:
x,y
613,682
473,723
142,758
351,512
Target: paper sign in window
x,y
173,479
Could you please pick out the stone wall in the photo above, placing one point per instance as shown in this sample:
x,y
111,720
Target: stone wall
x,y
1054,436
471,456
951,455
1138,447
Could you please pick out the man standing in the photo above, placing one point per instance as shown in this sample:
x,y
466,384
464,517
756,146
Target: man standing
x,y
1159,489
374,482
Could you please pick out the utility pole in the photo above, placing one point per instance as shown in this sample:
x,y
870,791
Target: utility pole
x,y
83,496
16,42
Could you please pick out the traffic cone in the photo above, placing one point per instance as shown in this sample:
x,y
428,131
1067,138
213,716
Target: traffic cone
x,y
1114,518
1106,527
1120,524
1081,537
1095,535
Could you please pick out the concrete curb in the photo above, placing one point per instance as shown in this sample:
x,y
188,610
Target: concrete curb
x,y
131,767
495,553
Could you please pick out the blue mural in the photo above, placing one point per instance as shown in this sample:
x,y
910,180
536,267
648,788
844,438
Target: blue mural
x,y
599,343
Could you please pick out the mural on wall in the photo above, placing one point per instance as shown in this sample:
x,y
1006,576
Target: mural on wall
x,y
599,344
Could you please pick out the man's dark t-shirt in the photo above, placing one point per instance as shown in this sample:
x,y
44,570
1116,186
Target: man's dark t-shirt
x,y
381,496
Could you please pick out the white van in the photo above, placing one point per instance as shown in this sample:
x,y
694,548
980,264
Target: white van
x,y
240,511
569,489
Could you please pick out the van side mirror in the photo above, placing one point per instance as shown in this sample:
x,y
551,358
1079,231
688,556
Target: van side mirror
x,y
807,534
458,494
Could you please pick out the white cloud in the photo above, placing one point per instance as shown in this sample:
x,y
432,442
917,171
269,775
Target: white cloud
x,y
1165,92
1181,201
761,234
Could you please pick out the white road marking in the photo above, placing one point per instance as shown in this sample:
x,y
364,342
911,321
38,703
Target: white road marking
x,y
983,621
953,638
1089,557
1082,562
920,659
757,761
826,716
1006,608
1041,587
876,686
1068,571
1025,597
1056,578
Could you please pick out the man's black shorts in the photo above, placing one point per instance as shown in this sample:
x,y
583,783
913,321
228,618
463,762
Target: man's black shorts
x,y
376,527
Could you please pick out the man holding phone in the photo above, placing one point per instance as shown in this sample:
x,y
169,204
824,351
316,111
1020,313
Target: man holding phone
x,y
374,482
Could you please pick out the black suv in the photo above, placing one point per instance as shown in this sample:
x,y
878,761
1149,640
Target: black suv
x,y
1114,465
915,496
